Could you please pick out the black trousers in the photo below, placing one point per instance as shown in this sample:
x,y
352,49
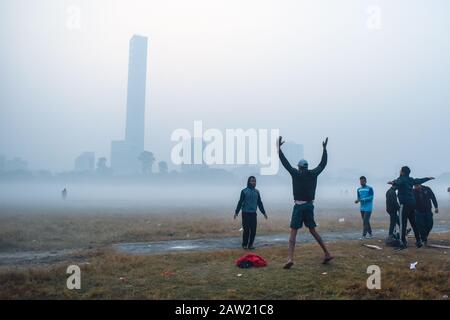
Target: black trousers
x,y
393,221
407,212
424,224
249,223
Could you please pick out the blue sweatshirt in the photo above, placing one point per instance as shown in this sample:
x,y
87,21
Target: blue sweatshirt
x,y
365,197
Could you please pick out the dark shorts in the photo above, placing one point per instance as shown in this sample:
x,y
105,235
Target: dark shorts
x,y
303,214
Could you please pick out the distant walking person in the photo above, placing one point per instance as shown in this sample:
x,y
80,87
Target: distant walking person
x,y
365,199
304,183
64,194
424,214
392,207
249,201
404,185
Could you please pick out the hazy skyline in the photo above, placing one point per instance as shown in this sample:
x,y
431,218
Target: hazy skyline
x,y
309,68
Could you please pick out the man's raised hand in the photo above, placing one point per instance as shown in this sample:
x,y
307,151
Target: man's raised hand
x,y
280,142
324,144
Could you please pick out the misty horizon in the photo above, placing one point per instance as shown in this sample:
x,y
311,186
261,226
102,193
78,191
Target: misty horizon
x,y
379,94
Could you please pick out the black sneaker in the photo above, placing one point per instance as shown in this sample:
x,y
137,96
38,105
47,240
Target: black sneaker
x,y
419,244
401,247
251,248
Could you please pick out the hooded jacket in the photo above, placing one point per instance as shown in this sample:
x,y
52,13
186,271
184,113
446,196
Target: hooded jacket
x,y
250,200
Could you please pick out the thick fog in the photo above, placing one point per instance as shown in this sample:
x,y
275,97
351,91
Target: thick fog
x,y
371,75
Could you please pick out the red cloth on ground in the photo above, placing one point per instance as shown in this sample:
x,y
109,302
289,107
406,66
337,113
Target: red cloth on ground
x,y
254,259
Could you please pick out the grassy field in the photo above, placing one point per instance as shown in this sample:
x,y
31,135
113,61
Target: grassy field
x,y
109,275
53,228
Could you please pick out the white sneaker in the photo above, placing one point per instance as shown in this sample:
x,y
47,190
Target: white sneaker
x,y
369,236
363,238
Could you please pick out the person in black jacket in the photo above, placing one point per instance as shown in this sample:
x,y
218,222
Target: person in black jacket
x,y
249,201
304,183
392,208
424,214
404,185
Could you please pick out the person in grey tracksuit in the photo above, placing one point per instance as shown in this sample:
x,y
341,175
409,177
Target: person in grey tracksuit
x,y
249,201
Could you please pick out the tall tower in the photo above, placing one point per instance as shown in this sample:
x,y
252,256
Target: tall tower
x,y
125,153
137,75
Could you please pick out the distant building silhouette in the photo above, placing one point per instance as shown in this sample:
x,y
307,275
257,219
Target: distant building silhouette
x,y
85,162
2,162
125,153
16,164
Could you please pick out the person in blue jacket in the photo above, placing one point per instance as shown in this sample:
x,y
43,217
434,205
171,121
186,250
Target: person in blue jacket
x,y
249,201
365,199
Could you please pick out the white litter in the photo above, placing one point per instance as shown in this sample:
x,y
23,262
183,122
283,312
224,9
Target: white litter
x,y
239,274
371,246
413,265
324,273
439,246
342,220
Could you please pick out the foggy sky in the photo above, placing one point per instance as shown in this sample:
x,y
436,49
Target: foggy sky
x,y
309,68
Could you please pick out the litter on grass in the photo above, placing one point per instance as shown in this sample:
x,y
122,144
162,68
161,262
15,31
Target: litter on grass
x,y
439,246
372,246
413,265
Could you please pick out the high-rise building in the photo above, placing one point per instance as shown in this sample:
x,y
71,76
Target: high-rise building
x,y
85,162
137,75
16,164
125,153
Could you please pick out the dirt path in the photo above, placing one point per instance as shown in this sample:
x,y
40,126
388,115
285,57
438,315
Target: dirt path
x,y
33,258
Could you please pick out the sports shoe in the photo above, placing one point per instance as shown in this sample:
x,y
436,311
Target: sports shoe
x,y
401,247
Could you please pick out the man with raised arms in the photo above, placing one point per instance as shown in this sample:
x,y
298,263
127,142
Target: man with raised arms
x,y
304,183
